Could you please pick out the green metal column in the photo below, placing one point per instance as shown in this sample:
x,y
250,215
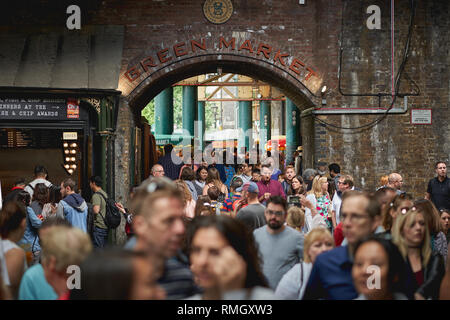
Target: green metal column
x,y
164,112
201,123
189,108
103,123
264,123
245,122
292,129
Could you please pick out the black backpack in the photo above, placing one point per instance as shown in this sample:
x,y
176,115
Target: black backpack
x,y
112,215
90,219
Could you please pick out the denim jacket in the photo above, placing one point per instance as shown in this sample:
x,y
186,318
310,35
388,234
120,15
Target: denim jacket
x,y
74,209
31,232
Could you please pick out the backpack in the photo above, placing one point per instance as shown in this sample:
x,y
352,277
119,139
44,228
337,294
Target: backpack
x,y
112,215
90,218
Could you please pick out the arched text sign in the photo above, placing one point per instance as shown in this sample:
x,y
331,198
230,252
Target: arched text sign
x,y
145,65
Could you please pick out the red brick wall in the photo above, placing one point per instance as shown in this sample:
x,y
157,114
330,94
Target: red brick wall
x,y
311,33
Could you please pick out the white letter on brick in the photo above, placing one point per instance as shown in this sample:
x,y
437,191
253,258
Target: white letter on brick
x,y
74,21
374,21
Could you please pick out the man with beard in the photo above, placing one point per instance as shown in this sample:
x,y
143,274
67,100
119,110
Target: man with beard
x,y
268,187
280,246
72,206
289,175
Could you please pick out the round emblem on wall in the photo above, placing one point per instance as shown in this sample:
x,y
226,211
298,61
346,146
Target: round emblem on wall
x,y
218,11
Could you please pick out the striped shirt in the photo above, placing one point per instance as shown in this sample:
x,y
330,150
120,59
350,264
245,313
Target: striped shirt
x,y
177,280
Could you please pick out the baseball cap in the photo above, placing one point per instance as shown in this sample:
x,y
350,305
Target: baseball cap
x,y
249,186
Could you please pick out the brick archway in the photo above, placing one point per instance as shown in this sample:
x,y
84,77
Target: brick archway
x,y
179,70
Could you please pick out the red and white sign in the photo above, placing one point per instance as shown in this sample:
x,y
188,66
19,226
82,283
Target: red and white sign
x,y
73,109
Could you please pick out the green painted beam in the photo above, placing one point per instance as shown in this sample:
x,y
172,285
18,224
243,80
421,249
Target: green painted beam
x,y
245,122
292,129
190,98
264,122
164,112
201,123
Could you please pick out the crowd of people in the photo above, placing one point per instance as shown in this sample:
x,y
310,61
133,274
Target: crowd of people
x,y
239,231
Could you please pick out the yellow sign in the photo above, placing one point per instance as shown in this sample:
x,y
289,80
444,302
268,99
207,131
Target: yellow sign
x,y
218,11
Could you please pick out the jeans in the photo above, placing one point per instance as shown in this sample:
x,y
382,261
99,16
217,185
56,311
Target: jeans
x,y
100,237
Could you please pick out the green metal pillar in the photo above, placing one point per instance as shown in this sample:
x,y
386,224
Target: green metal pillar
x,y
189,108
164,112
264,123
245,123
103,123
201,124
292,129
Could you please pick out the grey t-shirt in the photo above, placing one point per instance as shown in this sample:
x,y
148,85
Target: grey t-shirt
x,y
279,252
252,216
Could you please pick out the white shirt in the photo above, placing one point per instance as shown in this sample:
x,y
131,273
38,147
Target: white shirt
x,y
310,222
34,183
336,206
293,284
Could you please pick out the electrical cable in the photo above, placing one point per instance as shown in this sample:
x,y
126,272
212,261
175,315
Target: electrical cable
x,y
397,80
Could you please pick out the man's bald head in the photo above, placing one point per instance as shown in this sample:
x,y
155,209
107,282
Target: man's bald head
x,y
158,170
395,181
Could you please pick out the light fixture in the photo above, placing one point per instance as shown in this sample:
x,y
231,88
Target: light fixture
x,y
66,144
70,171
74,166
73,151
66,151
67,166
324,88
72,159
259,95
73,145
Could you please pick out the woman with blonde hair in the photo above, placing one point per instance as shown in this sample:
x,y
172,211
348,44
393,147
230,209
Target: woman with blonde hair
x,y
295,218
438,241
188,201
320,200
411,235
293,284
213,179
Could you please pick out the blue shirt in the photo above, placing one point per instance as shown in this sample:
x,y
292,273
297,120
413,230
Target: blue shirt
x,y
34,286
331,277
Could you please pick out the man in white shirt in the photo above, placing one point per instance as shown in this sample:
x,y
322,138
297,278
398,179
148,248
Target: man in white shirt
x,y
345,182
40,176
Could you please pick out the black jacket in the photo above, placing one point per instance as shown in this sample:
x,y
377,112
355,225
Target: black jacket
x,y
433,274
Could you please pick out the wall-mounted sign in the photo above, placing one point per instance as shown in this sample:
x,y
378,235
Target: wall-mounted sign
x,y
218,11
39,109
421,116
70,136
